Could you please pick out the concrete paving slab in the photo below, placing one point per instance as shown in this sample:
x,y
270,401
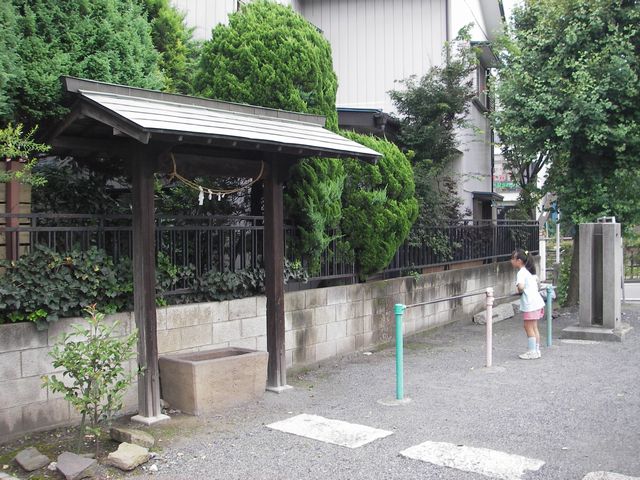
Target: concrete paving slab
x,y
492,463
607,476
327,430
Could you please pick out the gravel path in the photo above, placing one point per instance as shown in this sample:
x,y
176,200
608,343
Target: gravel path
x,y
577,409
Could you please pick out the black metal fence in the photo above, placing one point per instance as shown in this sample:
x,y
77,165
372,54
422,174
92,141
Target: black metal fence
x,y
632,264
225,243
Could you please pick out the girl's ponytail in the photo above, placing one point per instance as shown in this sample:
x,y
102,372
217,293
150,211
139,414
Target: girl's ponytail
x,y
526,258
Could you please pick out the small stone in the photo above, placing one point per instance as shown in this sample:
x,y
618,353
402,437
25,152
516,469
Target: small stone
x,y
6,476
153,468
128,456
31,459
131,435
366,353
53,466
75,467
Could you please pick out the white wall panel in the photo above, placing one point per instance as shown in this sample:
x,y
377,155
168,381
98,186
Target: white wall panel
x,y
376,42
205,14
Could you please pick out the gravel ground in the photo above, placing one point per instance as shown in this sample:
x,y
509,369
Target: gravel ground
x,y
577,409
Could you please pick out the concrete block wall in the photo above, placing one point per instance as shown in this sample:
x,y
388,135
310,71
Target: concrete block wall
x,y
320,324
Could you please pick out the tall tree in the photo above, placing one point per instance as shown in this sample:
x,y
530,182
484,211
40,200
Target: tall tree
x,y
570,90
10,65
568,93
432,109
174,41
269,55
108,40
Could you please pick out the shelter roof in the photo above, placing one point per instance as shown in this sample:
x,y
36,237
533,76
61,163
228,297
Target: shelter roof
x,y
147,115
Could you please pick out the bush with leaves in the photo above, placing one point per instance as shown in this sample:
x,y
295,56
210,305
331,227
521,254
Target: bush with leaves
x,y
108,40
94,377
378,204
18,146
46,285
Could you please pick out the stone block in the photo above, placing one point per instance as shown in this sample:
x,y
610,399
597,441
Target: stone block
x,y
132,435
355,326
31,459
128,456
261,306
356,292
213,380
325,350
19,336
336,295
21,391
227,331
248,343
308,336
326,314
288,355
596,333
367,307
10,366
37,362
348,311
253,327
45,414
243,308
294,301
336,330
261,343
301,318
315,298
367,323
11,422
75,467
197,336
169,340
364,341
303,355
59,328
178,316
161,319
345,345
500,313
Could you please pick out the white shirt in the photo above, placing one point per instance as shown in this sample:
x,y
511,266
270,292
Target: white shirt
x,y
530,300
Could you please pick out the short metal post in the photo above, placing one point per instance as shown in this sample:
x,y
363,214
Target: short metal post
x,y
399,311
549,315
489,323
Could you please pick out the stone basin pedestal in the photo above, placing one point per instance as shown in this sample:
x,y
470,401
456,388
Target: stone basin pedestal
x,y
213,380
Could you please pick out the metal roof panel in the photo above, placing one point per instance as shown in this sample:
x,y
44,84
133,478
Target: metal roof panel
x,y
153,115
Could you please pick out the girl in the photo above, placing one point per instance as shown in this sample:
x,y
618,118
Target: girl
x,y
531,302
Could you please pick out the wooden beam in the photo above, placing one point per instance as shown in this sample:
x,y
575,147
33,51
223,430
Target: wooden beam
x,y
115,121
144,285
274,281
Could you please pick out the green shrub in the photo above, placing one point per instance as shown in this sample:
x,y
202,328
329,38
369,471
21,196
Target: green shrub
x,y
46,285
565,273
378,204
94,379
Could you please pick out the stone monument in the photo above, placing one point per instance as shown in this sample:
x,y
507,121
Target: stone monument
x,y
601,283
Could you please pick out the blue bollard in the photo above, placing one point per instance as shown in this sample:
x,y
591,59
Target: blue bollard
x,y
399,312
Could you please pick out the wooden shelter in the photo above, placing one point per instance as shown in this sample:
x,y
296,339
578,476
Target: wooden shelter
x,y
149,129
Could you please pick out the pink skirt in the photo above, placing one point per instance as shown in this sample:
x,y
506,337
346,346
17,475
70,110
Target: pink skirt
x,y
534,315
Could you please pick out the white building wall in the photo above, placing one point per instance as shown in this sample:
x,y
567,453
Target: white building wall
x,y
376,42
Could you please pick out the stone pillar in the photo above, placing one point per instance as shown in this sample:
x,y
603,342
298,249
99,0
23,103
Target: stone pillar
x,y
601,274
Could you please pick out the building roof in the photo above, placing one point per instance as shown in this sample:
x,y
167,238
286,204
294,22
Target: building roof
x,y
145,115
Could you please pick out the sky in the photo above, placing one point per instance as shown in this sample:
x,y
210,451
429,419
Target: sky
x,y
508,6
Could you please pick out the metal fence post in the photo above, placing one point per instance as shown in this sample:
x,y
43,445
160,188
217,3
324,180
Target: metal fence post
x,y
489,324
549,315
399,309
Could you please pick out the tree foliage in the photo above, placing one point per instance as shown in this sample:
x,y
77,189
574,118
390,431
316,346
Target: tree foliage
x,y
313,203
379,205
174,41
107,40
10,65
569,91
432,109
269,55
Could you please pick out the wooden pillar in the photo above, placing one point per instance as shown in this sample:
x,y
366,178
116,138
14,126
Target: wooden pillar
x,y
144,290
12,206
274,281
